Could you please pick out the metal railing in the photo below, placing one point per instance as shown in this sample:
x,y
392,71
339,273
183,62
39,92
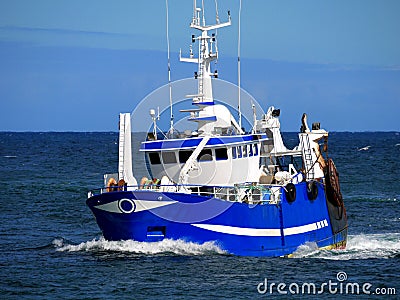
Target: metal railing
x,y
246,193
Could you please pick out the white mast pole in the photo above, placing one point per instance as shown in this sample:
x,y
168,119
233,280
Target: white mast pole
x,y
216,11
194,12
240,113
204,19
171,128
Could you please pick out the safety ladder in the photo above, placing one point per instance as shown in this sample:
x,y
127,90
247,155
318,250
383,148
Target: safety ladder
x,y
201,84
191,162
121,148
307,156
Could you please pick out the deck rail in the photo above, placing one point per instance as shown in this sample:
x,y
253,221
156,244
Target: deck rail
x,y
247,193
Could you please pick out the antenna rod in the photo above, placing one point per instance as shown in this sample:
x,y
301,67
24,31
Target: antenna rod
x,y
171,128
240,113
194,11
204,19
216,12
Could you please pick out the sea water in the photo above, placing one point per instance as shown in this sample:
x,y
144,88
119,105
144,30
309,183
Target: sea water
x,y
51,246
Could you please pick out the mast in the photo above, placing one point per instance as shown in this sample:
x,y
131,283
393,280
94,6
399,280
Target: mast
x,y
209,116
207,53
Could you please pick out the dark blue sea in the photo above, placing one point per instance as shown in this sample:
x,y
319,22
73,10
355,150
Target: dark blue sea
x,y
51,247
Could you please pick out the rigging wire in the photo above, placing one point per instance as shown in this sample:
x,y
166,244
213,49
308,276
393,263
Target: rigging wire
x,y
240,113
171,129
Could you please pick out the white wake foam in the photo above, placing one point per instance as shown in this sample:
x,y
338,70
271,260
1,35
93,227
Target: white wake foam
x,y
166,246
362,246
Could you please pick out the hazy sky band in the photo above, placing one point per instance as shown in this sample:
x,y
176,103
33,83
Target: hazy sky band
x,y
75,65
344,32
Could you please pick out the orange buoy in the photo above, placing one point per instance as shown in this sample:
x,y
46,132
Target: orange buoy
x,y
121,185
143,182
111,184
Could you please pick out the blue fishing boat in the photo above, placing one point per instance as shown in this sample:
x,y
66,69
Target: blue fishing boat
x,y
245,191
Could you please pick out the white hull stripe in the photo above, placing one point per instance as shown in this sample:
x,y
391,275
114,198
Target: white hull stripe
x,y
263,231
147,205
239,230
139,205
110,207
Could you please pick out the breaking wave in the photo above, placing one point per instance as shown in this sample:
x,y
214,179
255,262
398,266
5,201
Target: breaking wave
x,y
362,246
177,247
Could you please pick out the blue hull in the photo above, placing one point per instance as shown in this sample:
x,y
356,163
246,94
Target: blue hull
x,y
239,228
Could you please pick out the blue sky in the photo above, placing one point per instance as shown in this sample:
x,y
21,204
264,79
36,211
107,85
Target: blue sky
x,y
74,65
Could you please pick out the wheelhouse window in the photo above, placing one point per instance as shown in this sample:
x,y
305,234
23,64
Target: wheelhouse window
x,y
250,150
244,150
221,154
154,158
239,150
184,155
234,155
168,157
205,155
255,148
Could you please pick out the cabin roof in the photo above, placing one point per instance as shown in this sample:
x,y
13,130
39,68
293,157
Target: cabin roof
x,y
190,143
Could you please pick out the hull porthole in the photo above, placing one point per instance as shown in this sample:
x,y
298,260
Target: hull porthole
x,y
126,206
